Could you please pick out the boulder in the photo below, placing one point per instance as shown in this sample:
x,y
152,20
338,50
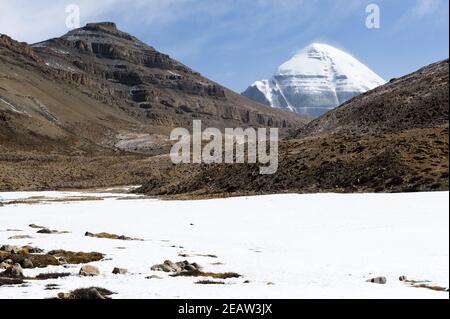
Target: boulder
x,y
26,263
86,293
4,265
378,280
30,250
11,249
403,278
119,271
169,266
46,231
89,270
13,271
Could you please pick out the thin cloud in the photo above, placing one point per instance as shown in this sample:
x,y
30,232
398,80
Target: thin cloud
x,y
421,10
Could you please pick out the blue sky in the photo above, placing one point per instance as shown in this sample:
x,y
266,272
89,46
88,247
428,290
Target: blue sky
x,y
236,42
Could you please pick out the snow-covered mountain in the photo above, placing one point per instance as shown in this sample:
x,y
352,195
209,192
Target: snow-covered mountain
x,y
316,80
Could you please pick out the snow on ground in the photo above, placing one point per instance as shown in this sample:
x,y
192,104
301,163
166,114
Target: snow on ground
x,y
305,246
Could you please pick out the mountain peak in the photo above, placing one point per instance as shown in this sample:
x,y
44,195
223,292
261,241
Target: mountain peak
x,y
319,46
315,80
101,25
100,29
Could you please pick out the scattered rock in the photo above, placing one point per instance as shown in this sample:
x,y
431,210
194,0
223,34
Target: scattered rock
x,y
31,250
208,255
431,287
51,287
378,280
247,282
36,226
226,275
52,275
10,249
4,281
70,257
187,269
403,278
87,293
38,260
169,266
13,271
46,231
4,265
26,263
110,236
89,270
51,232
20,237
153,277
119,271
209,282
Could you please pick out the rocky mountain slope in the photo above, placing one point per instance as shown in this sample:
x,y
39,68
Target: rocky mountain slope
x,y
73,107
418,100
97,82
391,139
149,83
316,80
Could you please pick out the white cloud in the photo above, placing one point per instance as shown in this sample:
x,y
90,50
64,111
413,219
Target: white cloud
x,y
419,11
34,21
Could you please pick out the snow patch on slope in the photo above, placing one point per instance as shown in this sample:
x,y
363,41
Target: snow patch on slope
x,y
11,107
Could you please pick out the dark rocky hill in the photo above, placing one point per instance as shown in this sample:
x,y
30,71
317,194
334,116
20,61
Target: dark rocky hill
x,y
392,139
418,100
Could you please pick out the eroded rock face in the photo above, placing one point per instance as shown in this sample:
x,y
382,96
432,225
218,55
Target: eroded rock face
x,y
99,56
21,49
